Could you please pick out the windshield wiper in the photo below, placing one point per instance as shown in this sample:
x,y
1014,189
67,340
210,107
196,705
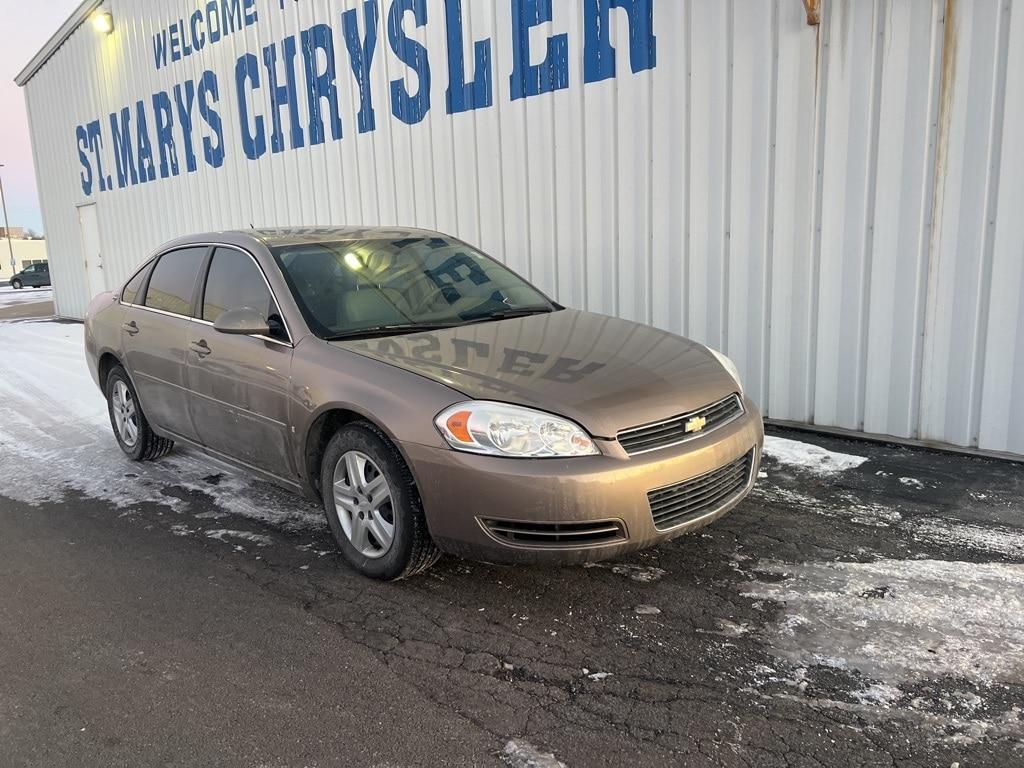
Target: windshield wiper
x,y
506,314
389,330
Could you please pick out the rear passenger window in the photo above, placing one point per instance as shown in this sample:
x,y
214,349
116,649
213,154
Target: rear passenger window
x,y
235,281
174,279
131,288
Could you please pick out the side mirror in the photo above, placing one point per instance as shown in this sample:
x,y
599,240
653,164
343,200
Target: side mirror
x,y
242,321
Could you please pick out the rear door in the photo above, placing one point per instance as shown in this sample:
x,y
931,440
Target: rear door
x,y
240,384
155,334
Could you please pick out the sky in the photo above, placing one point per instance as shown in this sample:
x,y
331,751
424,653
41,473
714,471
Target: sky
x,y
27,27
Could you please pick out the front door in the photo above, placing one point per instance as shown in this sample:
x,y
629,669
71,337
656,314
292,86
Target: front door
x,y
155,337
89,231
240,384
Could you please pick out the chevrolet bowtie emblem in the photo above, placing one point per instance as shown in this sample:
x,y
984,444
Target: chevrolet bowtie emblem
x,y
696,424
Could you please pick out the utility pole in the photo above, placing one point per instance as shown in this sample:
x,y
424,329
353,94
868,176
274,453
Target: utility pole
x,y
7,224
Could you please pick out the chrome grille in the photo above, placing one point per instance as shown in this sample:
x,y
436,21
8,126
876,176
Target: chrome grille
x,y
556,534
673,431
677,504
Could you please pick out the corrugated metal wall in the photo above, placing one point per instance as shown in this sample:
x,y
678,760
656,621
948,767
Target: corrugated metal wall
x,y
833,206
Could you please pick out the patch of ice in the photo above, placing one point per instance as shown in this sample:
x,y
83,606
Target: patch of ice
x,y
938,618
647,610
222,534
732,629
807,456
879,694
521,754
912,482
599,676
1008,542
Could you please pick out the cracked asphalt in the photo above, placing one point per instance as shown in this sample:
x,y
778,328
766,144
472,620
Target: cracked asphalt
x,y
184,633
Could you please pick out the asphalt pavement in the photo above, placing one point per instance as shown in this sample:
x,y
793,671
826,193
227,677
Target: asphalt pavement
x,y
863,607
185,635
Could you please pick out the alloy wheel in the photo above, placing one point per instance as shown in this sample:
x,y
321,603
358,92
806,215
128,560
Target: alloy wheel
x,y
125,415
363,503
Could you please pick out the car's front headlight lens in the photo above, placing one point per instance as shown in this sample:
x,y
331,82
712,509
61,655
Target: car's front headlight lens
x,y
729,365
500,429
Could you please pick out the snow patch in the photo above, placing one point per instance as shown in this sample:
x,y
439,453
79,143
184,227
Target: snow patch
x,y
223,534
10,297
54,425
933,619
1008,542
812,458
522,754
879,695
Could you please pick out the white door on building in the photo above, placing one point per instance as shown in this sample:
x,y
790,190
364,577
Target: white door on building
x,y
89,228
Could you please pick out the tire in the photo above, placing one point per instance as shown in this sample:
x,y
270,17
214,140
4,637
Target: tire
x,y
411,550
17,285
139,443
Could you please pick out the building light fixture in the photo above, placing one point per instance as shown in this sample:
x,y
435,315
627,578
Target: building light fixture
x,y
103,21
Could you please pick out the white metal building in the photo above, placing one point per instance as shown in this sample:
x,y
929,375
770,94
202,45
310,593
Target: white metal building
x,y
839,207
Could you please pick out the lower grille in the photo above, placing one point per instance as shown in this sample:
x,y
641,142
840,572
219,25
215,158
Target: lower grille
x,y
556,534
682,502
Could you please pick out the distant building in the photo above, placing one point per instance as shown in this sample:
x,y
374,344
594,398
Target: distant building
x,y
17,233
26,253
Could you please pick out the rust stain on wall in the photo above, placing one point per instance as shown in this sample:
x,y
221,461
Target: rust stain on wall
x,y
947,85
813,8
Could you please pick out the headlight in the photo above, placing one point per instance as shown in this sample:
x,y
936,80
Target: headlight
x,y
729,365
499,429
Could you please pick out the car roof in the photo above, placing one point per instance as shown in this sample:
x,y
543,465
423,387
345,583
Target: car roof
x,y
282,237
309,235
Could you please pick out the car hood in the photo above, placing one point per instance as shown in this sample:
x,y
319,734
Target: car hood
x,y
605,373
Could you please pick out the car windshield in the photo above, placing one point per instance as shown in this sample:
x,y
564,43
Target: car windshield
x,y
353,288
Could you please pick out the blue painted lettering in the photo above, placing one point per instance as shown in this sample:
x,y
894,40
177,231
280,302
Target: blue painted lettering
x,y
282,94
406,107
184,97
209,91
552,74
463,96
121,142
360,54
164,135
320,85
598,53
254,134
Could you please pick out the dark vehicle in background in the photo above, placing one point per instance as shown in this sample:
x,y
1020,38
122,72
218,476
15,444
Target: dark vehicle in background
x,y
432,399
32,276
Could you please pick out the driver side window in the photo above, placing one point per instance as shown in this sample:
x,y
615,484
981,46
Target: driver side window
x,y
235,281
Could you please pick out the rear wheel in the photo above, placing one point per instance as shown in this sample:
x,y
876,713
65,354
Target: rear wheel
x,y
131,429
16,285
372,505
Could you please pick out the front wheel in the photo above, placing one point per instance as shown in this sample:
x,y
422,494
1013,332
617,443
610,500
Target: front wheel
x,y
131,428
372,505
17,285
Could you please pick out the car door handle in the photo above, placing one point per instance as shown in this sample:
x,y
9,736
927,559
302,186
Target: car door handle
x,y
130,328
200,347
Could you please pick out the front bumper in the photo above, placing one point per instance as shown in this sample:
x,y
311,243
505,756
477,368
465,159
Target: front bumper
x,y
461,490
